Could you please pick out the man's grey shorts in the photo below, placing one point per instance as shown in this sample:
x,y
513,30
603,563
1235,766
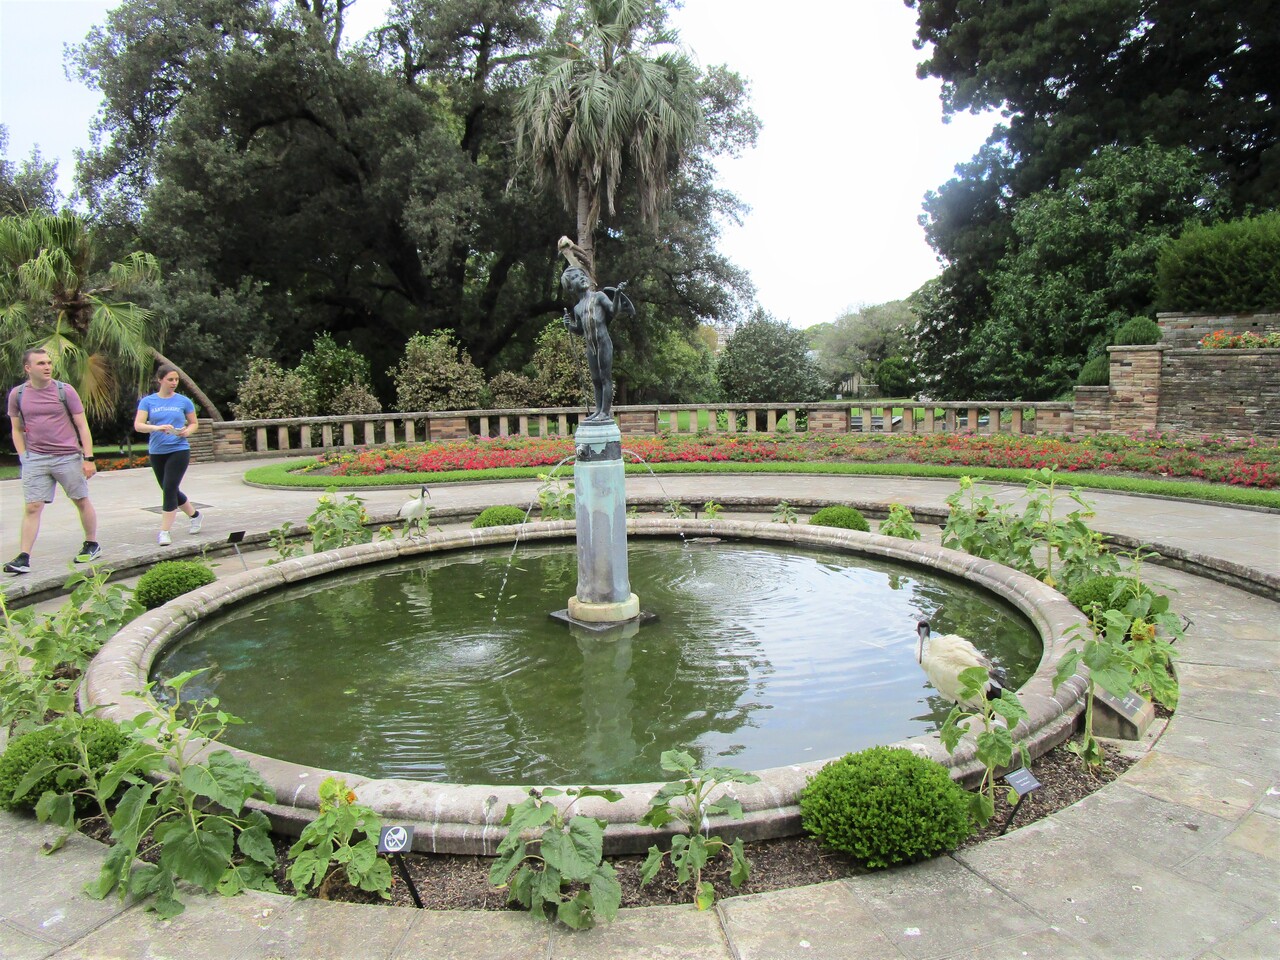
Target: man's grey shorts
x,y
40,471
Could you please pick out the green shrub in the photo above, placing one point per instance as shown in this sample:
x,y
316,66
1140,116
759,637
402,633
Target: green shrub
x,y
270,392
1095,596
498,517
354,400
509,391
847,518
104,740
560,365
337,379
169,579
1095,373
435,373
885,805
1138,332
1231,267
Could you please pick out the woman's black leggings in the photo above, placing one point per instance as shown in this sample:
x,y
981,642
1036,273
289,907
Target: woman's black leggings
x,y
169,469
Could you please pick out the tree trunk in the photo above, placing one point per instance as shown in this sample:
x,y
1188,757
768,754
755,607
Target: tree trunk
x,y
585,224
191,385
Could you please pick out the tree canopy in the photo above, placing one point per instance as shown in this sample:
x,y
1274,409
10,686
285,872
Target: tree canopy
x,y
1072,78
57,294
767,360
370,188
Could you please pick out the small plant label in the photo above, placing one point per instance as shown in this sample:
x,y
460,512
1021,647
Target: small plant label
x,y
1022,780
1130,706
395,839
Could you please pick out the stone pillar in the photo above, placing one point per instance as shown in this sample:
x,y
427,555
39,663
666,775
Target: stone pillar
x,y
202,441
604,587
1135,387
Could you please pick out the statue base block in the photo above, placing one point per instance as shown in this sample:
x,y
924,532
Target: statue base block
x,y
643,618
585,611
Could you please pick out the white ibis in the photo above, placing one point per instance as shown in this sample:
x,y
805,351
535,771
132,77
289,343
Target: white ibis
x,y
945,656
415,512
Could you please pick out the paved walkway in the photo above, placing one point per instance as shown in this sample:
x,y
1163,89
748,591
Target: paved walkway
x,y
1179,858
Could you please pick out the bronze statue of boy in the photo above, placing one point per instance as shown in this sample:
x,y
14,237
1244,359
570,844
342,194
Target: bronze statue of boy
x,y
593,310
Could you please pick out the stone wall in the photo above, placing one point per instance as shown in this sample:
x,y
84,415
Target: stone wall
x,y
1176,386
1093,410
1186,330
1135,388
202,442
1232,392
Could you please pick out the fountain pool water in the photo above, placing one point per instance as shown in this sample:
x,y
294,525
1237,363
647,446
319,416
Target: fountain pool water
x,y
714,706
760,656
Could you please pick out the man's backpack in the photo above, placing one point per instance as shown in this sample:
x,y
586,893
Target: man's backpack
x,y
62,395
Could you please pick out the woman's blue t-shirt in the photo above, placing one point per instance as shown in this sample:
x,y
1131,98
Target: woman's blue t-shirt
x,y
171,410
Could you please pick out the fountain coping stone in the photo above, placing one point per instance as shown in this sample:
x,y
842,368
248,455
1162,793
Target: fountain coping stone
x,y
466,818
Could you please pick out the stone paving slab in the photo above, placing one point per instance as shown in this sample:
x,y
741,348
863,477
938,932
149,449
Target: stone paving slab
x,y
655,933
1049,944
16,944
1246,865
322,930
1261,941
1233,748
1086,882
1162,833
940,907
42,896
825,921
466,934
1201,786
210,928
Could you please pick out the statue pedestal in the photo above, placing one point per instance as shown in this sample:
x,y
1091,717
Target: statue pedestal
x,y
604,588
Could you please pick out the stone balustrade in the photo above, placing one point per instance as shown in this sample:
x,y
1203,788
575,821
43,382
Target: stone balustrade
x,y
305,436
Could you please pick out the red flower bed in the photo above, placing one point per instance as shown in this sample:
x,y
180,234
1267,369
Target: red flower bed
x,y
1214,459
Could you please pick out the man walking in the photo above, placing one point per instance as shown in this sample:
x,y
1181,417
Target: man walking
x,y
54,446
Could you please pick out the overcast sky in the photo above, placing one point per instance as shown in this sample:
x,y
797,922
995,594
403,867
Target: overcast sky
x,y
851,139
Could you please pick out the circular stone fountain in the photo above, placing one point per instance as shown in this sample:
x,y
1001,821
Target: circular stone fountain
x,y
464,818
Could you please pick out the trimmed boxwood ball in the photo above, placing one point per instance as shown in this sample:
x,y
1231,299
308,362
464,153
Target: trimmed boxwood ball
x,y
885,805
498,517
1095,373
847,518
104,739
1092,597
169,579
1138,332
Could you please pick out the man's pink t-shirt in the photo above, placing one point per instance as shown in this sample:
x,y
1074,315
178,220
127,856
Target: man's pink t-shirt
x,y
45,420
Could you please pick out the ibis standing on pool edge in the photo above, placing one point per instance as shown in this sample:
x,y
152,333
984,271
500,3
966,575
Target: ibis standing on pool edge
x,y
946,656
415,512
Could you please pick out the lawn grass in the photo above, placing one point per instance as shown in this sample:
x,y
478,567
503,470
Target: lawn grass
x,y
284,475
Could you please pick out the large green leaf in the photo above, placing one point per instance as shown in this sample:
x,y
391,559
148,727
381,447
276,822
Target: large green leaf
x,y
199,855
606,892
576,851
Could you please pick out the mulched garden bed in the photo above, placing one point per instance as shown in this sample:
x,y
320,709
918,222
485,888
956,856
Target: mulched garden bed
x,y
446,882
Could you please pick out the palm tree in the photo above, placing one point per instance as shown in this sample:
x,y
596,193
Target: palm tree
x,y
604,102
51,297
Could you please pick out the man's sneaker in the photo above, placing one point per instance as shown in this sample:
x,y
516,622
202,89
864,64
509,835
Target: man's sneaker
x,y
19,564
197,519
89,552
163,538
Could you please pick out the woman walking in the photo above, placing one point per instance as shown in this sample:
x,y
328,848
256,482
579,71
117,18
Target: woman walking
x,y
169,418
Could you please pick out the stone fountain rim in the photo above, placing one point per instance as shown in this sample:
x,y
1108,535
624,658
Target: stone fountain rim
x,y
465,818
